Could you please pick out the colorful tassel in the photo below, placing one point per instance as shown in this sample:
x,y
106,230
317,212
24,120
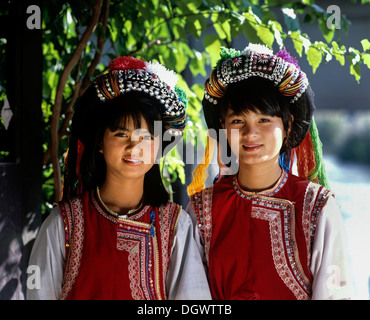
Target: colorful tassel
x,y
310,163
200,172
319,173
285,161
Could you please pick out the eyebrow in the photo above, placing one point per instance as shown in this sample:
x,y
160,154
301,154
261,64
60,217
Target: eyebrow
x,y
234,114
143,130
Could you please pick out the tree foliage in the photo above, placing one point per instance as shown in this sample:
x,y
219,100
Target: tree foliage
x,y
80,37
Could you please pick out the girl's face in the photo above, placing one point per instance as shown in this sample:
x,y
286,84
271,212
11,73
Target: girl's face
x,y
129,153
257,139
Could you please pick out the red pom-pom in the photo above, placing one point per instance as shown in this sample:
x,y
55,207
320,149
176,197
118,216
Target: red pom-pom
x,y
126,63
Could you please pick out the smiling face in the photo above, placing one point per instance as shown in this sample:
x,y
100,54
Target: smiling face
x,y
129,152
254,138
261,118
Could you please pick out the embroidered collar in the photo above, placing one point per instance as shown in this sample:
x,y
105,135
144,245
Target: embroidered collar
x,y
113,216
269,192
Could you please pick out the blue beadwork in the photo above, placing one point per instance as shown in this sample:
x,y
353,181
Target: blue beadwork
x,y
152,218
285,162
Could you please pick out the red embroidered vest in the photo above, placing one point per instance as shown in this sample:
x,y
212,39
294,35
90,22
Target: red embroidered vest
x,y
258,245
112,258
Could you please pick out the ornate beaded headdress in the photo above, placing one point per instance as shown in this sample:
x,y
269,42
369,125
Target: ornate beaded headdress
x,y
283,70
256,61
131,74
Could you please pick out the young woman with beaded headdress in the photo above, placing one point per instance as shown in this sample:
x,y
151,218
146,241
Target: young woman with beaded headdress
x,y
115,234
268,231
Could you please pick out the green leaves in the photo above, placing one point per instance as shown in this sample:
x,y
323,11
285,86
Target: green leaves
x,y
365,44
185,36
195,24
326,32
365,57
338,52
290,18
212,44
354,59
314,57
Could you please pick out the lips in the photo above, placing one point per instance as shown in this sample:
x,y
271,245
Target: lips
x,y
132,161
251,146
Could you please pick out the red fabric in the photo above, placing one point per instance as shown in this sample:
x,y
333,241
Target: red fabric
x,y
306,158
116,259
125,63
241,259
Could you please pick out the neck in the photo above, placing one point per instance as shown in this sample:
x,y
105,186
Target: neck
x,y
257,178
122,196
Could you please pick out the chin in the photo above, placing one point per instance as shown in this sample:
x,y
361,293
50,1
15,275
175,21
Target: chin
x,y
253,161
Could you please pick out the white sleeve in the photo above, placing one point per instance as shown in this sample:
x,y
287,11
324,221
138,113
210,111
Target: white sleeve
x,y
329,261
199,240
47,260
186,279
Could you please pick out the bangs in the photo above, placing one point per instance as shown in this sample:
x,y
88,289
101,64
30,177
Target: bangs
x,y
263,105
132,107
257,95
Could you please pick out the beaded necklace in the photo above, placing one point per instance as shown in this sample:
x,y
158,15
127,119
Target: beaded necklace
x,y
115,214
129,213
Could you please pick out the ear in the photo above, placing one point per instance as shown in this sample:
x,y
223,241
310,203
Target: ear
x,y
101,147
222,122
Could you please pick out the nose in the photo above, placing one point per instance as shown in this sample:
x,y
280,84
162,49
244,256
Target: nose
x,y
248,130
133,147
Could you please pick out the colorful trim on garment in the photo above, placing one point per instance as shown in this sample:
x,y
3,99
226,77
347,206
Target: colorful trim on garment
x,y
100,208
268,193
135,237
293,280
281,215
315,198
203,214
321,200
283,242
168,218
308,205
147,269
72,213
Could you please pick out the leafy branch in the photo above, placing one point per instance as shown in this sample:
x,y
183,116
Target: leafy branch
x,y
54,128
160,30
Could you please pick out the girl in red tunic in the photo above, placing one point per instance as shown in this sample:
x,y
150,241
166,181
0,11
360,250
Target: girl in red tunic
x,y
267,233
115,234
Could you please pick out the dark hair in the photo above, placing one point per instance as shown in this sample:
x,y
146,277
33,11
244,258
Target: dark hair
x,y
257,94
110,114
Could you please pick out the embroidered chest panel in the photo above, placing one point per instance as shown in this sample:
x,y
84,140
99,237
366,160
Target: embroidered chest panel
x,y
284,250
143,261
146,246
291,258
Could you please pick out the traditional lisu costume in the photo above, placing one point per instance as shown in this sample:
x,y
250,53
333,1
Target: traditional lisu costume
x,y
283,243
86,251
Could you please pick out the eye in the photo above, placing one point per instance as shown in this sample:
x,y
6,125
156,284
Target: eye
x,y
120,134
264,120
236,121
147,137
